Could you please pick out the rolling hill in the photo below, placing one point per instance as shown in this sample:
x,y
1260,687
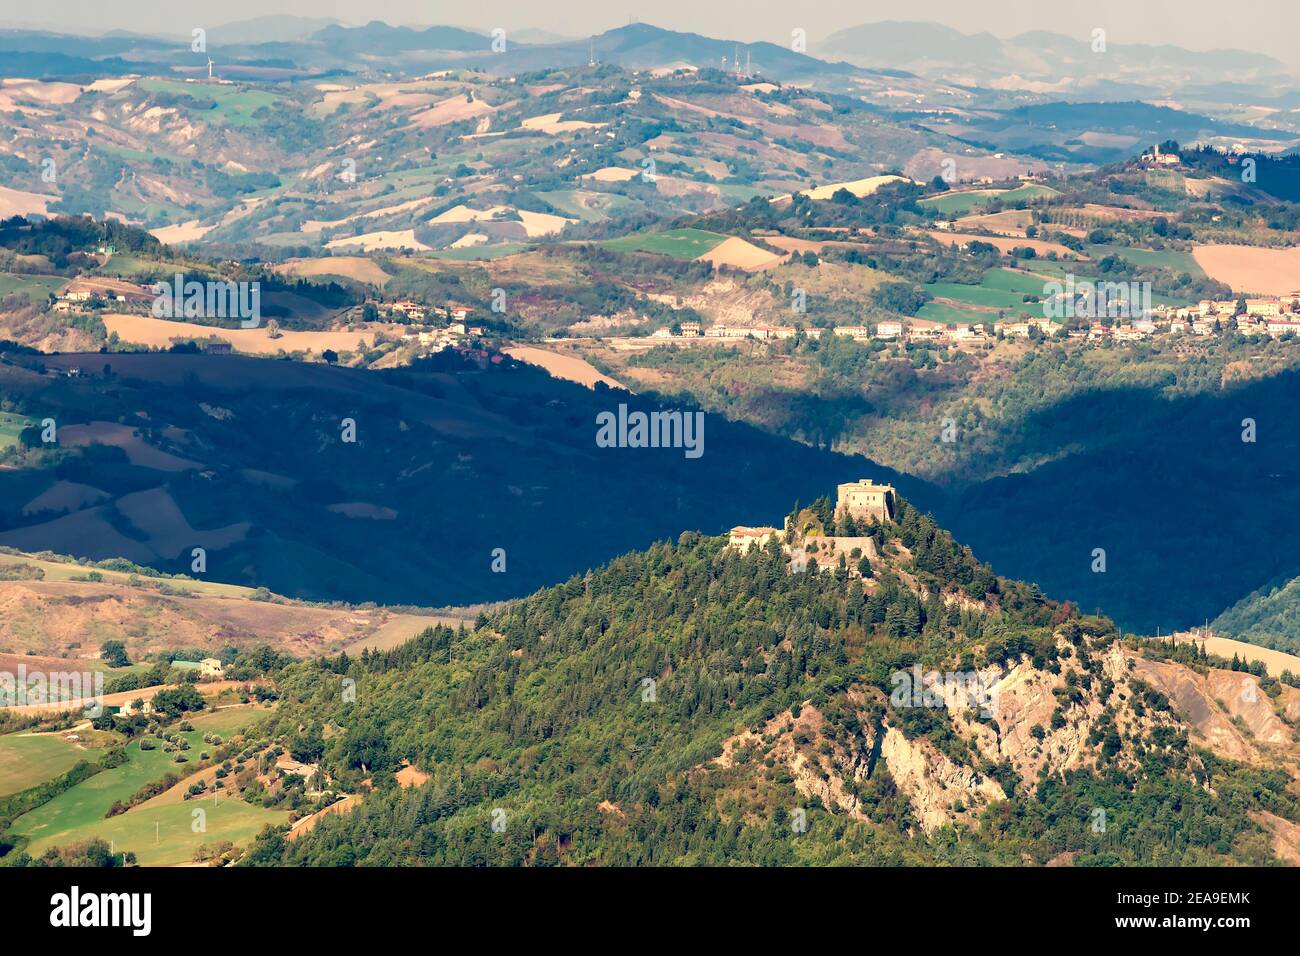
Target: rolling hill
x,y
58,611
690,705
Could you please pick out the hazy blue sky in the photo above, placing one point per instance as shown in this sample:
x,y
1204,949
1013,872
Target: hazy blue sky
x,y
1269,26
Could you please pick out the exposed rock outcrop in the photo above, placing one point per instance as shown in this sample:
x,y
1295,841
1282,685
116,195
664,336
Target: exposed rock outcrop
x,y
1210,702
940,791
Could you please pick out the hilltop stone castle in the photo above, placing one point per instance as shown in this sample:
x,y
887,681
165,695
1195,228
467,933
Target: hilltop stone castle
x,y
865,499
860,499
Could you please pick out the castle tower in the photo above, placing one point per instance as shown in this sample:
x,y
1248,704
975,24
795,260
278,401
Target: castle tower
x,y
865,499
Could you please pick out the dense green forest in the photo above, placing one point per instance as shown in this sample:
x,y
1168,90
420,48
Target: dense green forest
x,y
577,726
1269,617
63,238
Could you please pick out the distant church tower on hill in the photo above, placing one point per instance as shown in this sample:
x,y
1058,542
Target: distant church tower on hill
x,y
864,498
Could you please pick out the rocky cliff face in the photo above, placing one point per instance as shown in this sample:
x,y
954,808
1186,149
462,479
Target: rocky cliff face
x,y
940,791
1228,711
1098,709
1050,722
1290,701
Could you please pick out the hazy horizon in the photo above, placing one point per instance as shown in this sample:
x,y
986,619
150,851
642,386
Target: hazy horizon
x,y
1273,29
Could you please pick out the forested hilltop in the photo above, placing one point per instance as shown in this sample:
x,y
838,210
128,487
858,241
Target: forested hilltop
x,y
1269,617
691,704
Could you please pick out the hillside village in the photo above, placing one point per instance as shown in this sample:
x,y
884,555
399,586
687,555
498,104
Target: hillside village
x,y
436,328
426,328
1276,317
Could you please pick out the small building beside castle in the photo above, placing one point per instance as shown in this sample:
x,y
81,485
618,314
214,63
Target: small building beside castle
x,y
865,499
743,538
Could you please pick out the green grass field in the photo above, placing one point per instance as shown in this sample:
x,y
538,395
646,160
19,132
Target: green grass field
x,y
126,265
735,192
28,760
1027,191
235,106
966,202
678,243
11,426
999,289
414,183
71,689
959,203
36,288
1012,281
1049,267
1005,289
1060,270
161,834
587,205
1174,259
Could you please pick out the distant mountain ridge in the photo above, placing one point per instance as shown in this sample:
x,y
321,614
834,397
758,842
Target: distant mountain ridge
x,y
1037,62
273,28
335,46
1039,58
635,46
377,38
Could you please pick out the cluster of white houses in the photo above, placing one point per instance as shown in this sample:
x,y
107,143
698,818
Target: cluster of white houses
x,y
80,295
1275,316
912,328
418,312
692,330
434,338
897,330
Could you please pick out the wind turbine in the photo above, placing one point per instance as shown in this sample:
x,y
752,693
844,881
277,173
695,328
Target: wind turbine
x,y
209,68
